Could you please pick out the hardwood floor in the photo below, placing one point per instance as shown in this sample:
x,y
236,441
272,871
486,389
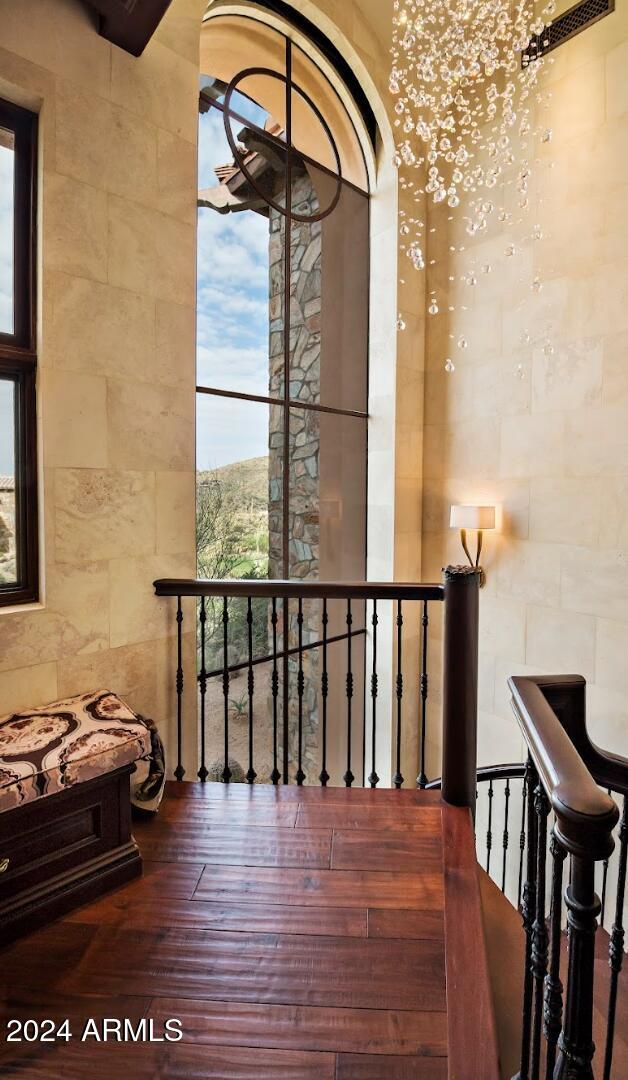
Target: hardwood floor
x,y
295,933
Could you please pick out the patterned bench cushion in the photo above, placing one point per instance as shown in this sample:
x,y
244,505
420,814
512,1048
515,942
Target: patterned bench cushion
x,y
53,747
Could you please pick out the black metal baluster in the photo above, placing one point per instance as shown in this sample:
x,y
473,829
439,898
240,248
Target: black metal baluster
x,y
422,777
300,777
275,775
324,775
489,831
398,778
505,833
226,772
553,1007
527,914
539,928
522,836
374,778
250,773
285,704
604,880
348,776
202,772
179,772
616,947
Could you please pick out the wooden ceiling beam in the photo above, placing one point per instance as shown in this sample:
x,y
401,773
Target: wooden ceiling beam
x,y
130,24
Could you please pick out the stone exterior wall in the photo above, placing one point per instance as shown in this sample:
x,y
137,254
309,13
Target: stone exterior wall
x,y
305,373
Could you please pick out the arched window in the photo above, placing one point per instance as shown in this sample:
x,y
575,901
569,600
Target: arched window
x,y
283,275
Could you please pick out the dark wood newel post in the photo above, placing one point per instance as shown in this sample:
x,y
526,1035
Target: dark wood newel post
x,y
460,685
576,1047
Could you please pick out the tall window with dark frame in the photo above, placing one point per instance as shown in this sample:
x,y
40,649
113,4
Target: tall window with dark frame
x,y
282,347
18,361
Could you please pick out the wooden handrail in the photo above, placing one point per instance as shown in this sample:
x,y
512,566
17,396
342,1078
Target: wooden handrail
x,y
585,815
307,590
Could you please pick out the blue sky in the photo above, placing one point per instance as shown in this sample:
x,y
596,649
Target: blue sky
x,y
6,302
232,300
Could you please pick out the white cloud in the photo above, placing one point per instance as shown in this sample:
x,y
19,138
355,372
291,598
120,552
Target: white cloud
x,y
6,239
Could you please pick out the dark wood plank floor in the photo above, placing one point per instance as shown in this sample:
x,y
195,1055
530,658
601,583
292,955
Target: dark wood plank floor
x,y
296,933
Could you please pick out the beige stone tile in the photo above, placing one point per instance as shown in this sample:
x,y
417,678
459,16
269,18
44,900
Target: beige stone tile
x,y
150,253
74,420
25,688
499,740
502,627
561,641
75,232
565,510
136,614
614,381
504,670
407,506
83,126
529,571
177,177
578,104
531,445
616,89
596,441
613,512
99,329
498,389
58,35
175,495
569,378
103,514
144,675
607,718
174,362
594,583
150,427
75,619
467,450
611,650
180,28
138,84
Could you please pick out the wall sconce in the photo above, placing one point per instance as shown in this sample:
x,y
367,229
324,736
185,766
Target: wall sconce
x,y
473,517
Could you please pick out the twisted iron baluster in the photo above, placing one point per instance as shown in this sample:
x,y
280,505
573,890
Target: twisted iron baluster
x,y
324,775
489,831
398,778
527,914
275,775
250,773
348,776
604,880
539,928
422,777
505,833
202,772
616,947
553,1007
179,772
300,777
522,835
374,778
226,772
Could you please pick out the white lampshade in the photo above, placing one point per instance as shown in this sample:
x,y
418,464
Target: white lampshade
x,y
472,517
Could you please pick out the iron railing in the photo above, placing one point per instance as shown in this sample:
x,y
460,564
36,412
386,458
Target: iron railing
x,y
297,619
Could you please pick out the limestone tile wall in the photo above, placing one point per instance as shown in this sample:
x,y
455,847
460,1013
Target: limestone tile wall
x,y
552,448
116,351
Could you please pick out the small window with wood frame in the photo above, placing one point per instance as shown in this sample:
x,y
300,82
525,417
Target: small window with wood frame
x,y
19,560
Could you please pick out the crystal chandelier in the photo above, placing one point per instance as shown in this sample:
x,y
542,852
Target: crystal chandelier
x,y
464,77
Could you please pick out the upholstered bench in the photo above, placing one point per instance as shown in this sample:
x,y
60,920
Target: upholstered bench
x,y
65,810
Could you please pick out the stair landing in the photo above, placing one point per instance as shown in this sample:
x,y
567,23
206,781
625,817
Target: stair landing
x,y
295,932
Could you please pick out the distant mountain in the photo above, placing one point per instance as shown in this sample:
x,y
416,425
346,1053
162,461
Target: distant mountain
x,y
249,478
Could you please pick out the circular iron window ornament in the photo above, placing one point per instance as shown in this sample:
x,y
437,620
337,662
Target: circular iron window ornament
x,y
287,147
